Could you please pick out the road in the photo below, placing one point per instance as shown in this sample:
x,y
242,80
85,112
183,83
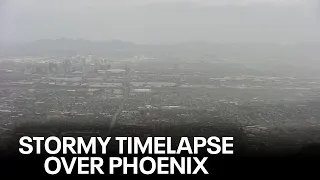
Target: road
x,y
125,98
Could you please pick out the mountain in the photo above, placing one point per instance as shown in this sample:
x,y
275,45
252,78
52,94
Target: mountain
x,y
65,47
188,50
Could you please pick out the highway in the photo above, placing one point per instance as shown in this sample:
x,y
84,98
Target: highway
x,y
125,98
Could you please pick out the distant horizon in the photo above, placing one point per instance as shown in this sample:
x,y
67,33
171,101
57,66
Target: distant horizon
x,y
158,22
172,43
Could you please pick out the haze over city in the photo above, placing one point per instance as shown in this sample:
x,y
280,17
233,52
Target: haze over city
x,y
246,68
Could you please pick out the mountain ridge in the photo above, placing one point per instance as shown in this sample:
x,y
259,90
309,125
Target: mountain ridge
x,y
119,48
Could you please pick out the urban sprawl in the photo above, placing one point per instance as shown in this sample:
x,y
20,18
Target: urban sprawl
x,y
141,95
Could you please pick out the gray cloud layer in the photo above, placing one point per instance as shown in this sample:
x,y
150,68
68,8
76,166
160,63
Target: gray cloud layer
x,y
146,21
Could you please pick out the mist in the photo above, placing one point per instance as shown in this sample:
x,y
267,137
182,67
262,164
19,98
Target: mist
x,y
161,21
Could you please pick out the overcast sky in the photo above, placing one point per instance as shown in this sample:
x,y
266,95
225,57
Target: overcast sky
x,y
161,21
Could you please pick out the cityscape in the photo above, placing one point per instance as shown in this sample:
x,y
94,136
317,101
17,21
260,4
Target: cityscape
x,y
146,95
159,87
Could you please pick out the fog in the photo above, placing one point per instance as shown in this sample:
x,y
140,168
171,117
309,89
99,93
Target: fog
x,y
155,21
248,69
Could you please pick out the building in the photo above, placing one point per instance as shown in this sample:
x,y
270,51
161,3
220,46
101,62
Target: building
x,y
66,65
53,67
89,59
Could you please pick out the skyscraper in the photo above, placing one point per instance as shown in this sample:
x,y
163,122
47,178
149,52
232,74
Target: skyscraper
x,y
53,68
89,59
66,66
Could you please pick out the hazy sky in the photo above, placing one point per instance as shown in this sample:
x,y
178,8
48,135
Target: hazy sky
x,y
161,21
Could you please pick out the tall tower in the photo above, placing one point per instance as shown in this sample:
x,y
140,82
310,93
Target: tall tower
x,y
66,66
53,68
89,59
